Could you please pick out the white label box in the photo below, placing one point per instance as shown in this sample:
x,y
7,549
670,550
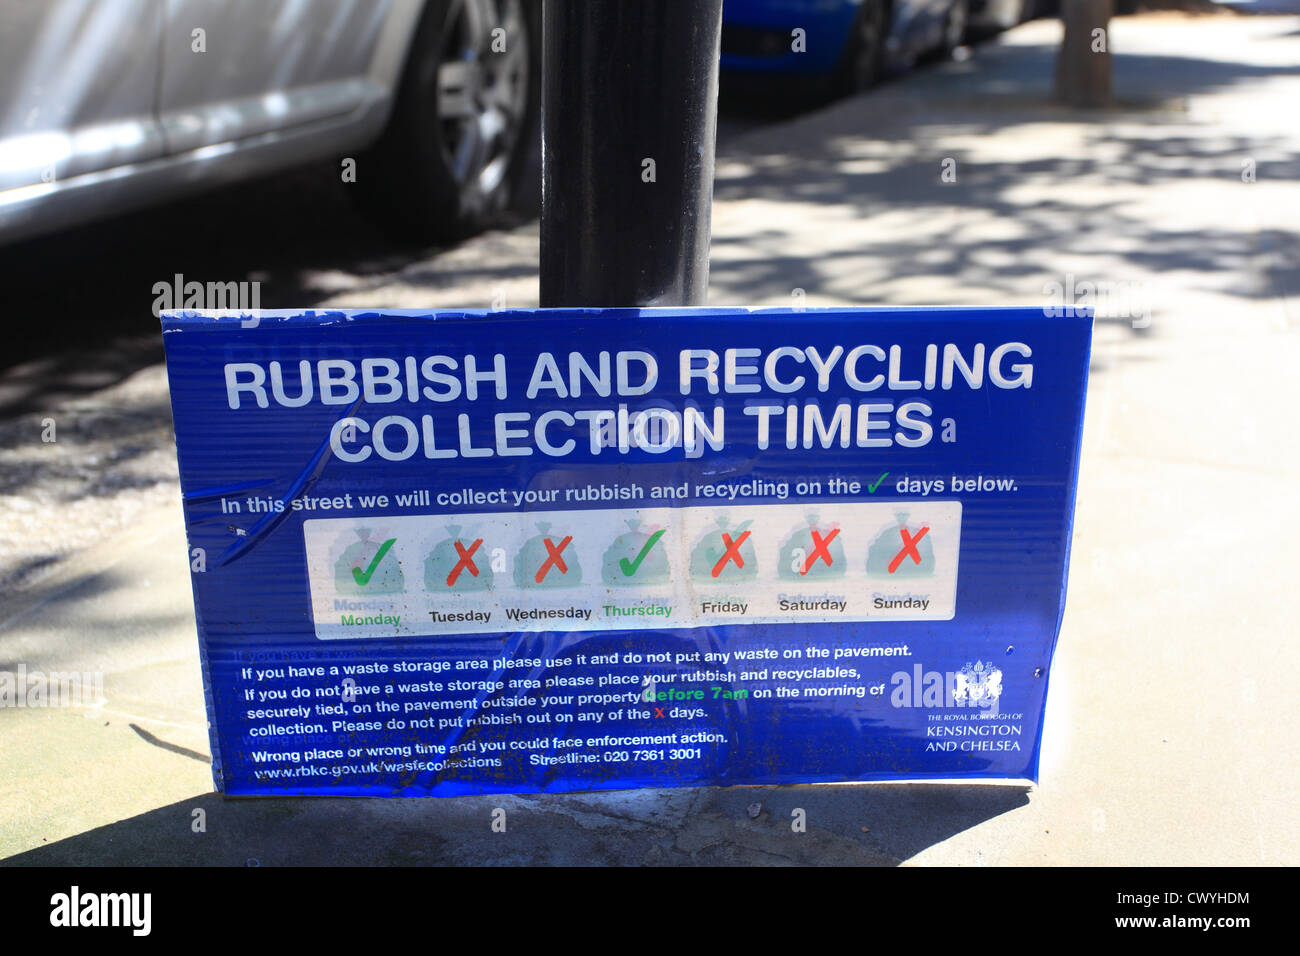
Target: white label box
x,y
633,568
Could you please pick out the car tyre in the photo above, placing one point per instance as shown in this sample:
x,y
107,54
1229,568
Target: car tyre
x,y
456,144
863,55
955,22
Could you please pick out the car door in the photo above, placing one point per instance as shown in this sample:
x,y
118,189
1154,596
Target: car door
x,y
233,69
78,80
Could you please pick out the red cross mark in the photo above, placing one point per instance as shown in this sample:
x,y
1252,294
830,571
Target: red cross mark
x,y
553,558
909,548
659,712
819,549
731,554
466,562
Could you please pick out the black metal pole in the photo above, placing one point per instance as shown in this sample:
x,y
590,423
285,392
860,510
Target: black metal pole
x,y
629,119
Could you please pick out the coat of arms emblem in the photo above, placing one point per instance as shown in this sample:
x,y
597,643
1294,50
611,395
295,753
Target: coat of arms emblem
x,y
979,684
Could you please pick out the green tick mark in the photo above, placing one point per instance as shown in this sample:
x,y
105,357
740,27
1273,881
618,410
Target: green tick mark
x,y
872,487
629,567
363,577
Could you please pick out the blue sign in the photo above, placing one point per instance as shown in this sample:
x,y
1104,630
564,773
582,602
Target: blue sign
x,y
557,550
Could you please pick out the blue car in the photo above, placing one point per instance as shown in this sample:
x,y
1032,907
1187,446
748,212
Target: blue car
x,y
848,42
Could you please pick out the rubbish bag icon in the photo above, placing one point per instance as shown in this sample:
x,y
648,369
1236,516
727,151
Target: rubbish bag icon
x,y
548,561
902,551
368,566
458,564
722,555
628,563
813,552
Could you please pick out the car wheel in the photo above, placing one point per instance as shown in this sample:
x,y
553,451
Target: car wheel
x,y
449,161
863,53
954,26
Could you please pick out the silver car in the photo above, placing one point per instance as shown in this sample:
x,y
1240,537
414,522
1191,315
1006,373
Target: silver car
x,y
108,105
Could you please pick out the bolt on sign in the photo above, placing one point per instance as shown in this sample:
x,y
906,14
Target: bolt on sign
x,y
562,550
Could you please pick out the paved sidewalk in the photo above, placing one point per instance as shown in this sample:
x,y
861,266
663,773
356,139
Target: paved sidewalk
x,y
1168,730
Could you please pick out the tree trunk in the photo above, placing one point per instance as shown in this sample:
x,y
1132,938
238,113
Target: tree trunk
x,y
1083,64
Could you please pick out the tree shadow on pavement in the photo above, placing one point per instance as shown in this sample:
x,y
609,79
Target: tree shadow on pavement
x,y
1033,187
1149,203
848,825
